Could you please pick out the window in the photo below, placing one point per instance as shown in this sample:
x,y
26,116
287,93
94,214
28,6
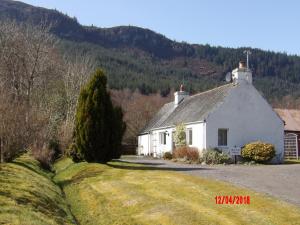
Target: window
x,y
189,134
162,138
222,137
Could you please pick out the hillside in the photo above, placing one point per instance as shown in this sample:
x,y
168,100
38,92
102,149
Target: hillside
x,y
138,58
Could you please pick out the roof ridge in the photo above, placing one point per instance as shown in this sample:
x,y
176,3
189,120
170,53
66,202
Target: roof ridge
x,y
192,108
204,92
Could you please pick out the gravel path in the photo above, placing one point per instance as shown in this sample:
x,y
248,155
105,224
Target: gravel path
x,y
281,181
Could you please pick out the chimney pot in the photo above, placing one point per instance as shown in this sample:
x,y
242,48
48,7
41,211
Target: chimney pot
x,y
180,95
181,87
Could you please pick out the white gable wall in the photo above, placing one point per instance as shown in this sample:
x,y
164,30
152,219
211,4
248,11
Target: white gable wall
x,y
248,117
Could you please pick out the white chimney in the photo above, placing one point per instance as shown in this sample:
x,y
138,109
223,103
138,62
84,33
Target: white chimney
x,y
242,74
179,96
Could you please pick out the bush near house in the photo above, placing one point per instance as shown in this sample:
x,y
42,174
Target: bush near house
x,y
215,156
168,155
188,153
258,151
180,135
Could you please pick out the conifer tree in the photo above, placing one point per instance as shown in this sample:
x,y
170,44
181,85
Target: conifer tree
x,y
99,126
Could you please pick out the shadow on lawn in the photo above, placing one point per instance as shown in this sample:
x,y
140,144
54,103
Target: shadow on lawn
x,y
152,166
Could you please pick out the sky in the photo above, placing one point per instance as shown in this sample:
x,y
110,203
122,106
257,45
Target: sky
x,y
266,24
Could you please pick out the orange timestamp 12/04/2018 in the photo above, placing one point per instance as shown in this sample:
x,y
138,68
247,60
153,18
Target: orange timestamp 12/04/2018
x,y
232,200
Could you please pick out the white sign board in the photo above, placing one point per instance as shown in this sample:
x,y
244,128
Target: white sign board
x,y
235,151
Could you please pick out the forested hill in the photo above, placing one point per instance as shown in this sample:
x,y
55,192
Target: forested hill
x,y
134,57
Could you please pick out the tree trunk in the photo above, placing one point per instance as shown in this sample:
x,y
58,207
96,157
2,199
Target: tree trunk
x,y
1,151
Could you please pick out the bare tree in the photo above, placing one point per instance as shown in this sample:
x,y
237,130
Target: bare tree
x,y
138,109
28,66
79,67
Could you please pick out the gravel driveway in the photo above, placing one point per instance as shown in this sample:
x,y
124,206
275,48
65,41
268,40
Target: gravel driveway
x,y
281,181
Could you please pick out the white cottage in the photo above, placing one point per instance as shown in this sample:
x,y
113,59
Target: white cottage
x,y
226,117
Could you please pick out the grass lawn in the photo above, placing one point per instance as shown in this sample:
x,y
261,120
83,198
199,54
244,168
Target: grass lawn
x,y
126,193
28,196
292,161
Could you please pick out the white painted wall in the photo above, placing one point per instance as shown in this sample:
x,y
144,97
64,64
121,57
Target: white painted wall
x,y
149,143
157,148
144,144
244,112
248,117
198,135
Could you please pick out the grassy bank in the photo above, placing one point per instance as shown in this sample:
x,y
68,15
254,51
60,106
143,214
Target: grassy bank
x,y
28,195
125,193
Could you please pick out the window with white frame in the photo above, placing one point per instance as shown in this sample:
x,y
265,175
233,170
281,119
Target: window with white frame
x,y
162,138
189,135
222,137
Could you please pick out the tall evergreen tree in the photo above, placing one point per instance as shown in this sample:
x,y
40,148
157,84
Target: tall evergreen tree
x,y
99,126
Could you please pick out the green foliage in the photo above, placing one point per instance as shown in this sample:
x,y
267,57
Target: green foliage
x,y
118,132
187,153
258,151
179,135
214,156
99,126
152,62
29,195
275,74
167,155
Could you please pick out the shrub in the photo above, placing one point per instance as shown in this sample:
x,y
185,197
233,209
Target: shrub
x,y
44,155
258,151
179,135
215,156
168,155
99,126
180,152
54,145
188,153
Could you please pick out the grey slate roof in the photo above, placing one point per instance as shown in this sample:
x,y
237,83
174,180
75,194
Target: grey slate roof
x,y
191,109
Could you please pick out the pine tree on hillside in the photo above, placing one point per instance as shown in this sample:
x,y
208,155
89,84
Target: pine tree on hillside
x,y
99,126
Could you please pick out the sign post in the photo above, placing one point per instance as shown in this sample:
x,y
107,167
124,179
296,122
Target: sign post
x,y
235,151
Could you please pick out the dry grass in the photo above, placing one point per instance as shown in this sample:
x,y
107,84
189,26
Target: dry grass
x,y
125,193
